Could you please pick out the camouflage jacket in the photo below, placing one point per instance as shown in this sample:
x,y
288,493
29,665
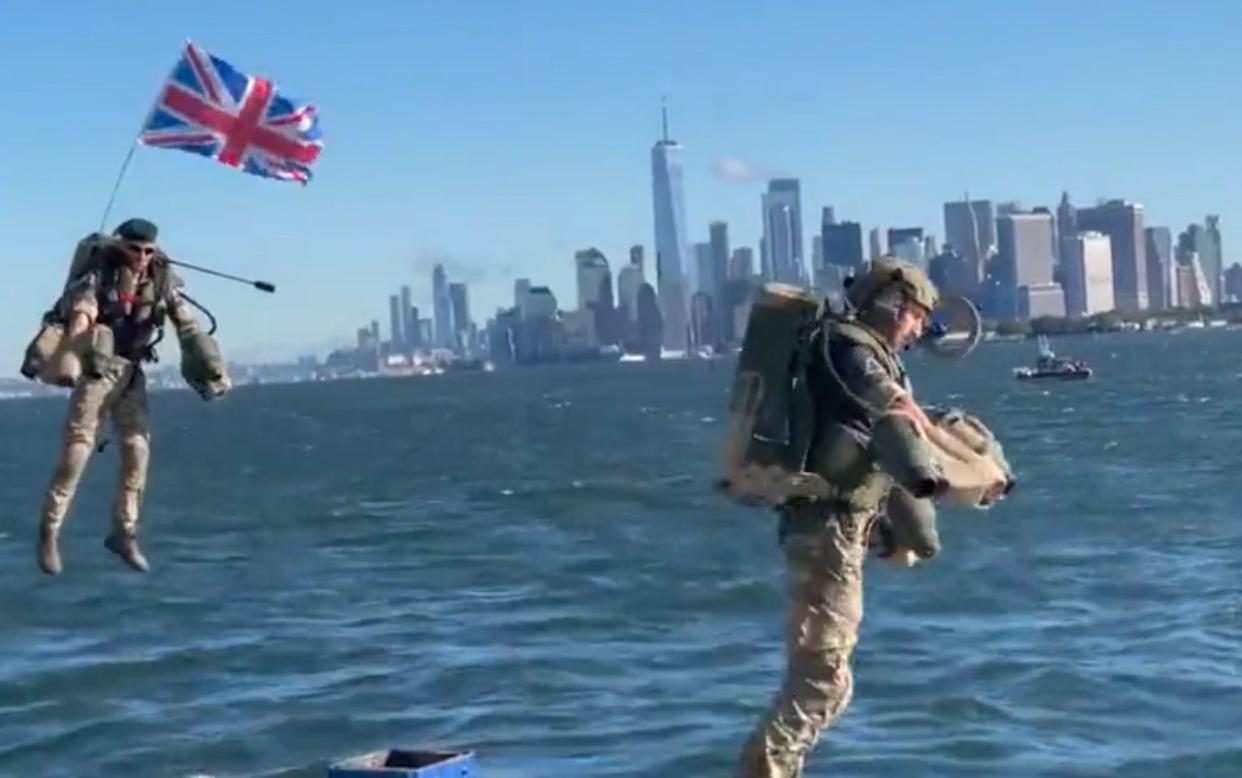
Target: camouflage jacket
x,y
137,322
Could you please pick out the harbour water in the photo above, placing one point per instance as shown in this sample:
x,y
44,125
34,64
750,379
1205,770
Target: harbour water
x,y
532,565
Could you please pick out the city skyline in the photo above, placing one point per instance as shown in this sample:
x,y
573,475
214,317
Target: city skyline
x,y
705,268
916,238
1040,263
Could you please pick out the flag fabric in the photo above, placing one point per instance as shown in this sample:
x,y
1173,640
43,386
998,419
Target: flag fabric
x,y
209,107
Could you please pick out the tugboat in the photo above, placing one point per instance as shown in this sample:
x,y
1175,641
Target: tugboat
x,y
1050,366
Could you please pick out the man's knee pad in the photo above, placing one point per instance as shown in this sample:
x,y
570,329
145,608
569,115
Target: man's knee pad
x,y
135,453
79,436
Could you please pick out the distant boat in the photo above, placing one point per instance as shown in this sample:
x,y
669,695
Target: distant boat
x,y
1051,367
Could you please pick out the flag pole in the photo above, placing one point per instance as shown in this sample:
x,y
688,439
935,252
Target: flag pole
x,y
103,222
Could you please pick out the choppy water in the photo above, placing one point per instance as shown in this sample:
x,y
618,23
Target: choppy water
x,y
531,565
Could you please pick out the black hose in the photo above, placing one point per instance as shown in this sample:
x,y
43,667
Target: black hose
x,y
202,308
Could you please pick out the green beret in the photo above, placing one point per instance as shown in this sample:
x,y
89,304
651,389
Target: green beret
x,y
136,229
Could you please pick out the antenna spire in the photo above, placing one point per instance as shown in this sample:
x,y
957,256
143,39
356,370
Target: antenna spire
x,y
664,116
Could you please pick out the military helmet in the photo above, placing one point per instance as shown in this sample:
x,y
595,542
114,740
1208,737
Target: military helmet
x,y
886,272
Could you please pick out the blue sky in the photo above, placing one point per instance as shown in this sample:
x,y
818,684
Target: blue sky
x,y
499,137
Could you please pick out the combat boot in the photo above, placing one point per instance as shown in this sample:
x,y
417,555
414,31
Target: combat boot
x,y
125,545
49,550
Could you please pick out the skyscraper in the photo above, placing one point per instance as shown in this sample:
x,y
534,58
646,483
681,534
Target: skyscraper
x,y
1025,248
650,322
789,190
909,249
722,306
521,288
900,235
1213,231
952,274
1211,261
1160,268
1122,222
842,242
702,308
668,201
1087,267
780,244
409,320
442,307
395,319
629,282
595,293
876,247
1025,262
636,257
461,311
590,268
1193,289
413,334
1067,219
782,231
1233,283
742,264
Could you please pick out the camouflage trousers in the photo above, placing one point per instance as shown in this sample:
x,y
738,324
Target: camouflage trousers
x,y
123,394
824,564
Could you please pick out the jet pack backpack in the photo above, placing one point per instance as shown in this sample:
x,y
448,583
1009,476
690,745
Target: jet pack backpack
x,y
768,437
765,448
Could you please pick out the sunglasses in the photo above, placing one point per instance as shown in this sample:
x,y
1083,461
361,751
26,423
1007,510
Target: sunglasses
x,y
140,249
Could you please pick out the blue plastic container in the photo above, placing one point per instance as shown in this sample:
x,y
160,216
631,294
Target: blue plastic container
x,y
398,763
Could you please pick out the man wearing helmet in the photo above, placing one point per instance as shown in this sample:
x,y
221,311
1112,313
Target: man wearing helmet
x,y
865,440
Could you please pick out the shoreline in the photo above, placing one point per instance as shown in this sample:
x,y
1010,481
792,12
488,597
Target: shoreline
x,y
18,388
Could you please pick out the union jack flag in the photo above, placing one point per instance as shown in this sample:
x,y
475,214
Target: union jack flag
x,y
208,107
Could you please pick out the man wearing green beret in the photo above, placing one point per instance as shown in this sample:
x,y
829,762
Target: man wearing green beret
x,y
120,292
